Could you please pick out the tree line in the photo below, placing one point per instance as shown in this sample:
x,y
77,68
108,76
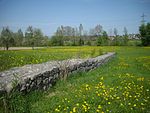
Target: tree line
x,y
97,36
31,38
70,36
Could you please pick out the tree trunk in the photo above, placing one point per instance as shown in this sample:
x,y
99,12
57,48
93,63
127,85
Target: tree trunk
x,y
7,47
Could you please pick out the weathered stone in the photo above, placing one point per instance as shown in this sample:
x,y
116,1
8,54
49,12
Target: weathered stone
x,y
42,76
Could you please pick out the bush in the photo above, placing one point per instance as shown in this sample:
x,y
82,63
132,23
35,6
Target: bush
x,y
145,34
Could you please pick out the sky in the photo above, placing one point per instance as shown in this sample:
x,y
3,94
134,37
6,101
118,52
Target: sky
x,y
50,14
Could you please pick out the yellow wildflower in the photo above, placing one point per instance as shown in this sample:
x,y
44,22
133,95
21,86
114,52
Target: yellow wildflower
x,y
134,105
77,104
57,110
97,110
118,97
74,109
99,106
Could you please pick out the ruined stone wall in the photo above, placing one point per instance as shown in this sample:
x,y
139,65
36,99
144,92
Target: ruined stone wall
x,y
42,76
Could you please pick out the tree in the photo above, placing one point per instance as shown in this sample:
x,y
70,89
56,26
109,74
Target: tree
x,y
125,31
102,40
38,36
7,37
81,29
105,38
145,34
29,34
115,32
125,37
98,30
81,42
99,41
116,38
57,41
91,32
59,32
19,38
44,41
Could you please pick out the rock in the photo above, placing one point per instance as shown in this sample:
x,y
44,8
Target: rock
x,y
42,76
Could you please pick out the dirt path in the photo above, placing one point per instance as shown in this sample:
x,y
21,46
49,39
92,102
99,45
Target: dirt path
x,y
21,48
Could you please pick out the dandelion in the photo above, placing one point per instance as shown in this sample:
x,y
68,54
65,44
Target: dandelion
x,y
130,96
129,103
121,104
134,105
102,78
136,99
77,104
74,109
97,110
147,90
99,106
118,97
57,110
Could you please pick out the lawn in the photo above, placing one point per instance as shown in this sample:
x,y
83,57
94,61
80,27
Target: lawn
x,y
120,86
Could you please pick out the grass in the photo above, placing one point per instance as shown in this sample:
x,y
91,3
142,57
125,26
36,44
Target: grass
x,y
122,85
16,58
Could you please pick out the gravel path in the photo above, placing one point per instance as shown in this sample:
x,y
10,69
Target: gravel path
x,y
20,48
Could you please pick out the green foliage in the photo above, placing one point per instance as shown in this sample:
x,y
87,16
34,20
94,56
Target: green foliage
x,y
16,102
6,38
57,41
64,36
134,43
81,42
145,34
88,43
33,37
120,40
18,37
102,40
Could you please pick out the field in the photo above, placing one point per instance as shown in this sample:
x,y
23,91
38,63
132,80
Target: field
x,y
16,58
120,86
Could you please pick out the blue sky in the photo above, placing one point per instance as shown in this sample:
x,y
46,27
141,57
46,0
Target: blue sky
x,y
49,14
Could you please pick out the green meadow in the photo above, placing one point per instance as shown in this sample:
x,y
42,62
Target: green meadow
x,y
120,86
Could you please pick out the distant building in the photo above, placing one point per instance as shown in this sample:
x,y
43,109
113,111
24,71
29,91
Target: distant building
x,y
134,36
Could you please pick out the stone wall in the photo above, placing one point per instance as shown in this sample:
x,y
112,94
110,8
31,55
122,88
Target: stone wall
x,y
42,76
